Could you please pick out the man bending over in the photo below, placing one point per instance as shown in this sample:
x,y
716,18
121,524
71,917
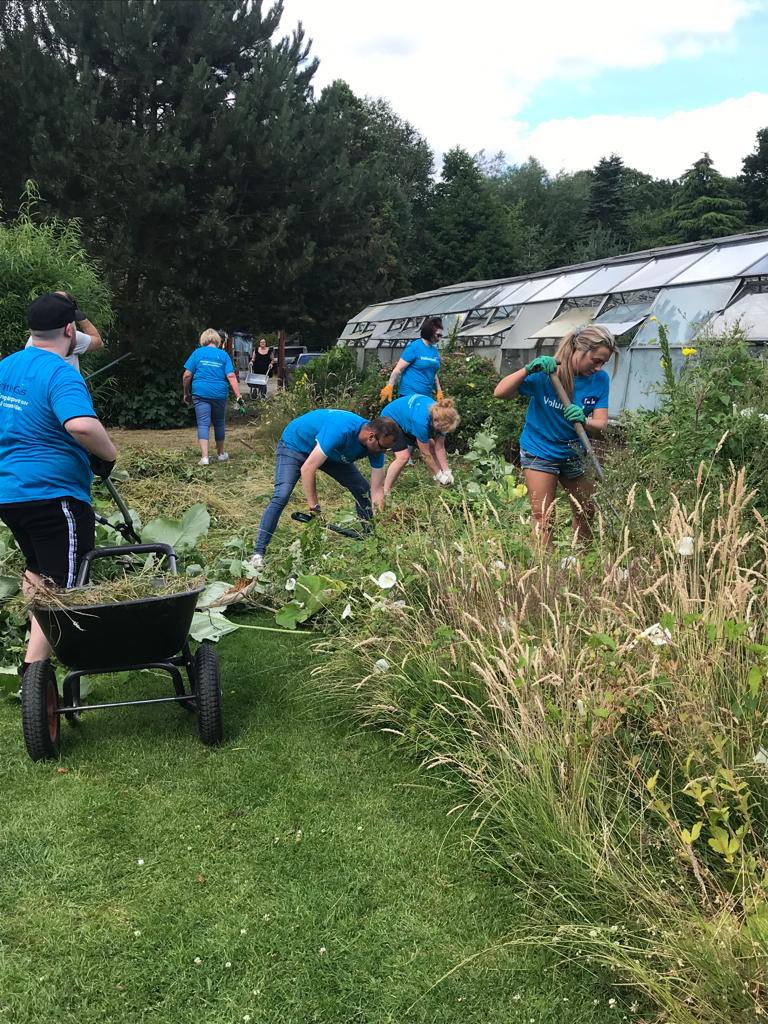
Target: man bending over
x,y
330,440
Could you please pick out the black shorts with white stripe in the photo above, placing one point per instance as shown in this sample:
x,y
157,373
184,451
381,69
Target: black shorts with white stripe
x,y
53,535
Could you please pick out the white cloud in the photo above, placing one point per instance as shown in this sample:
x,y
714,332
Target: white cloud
x,y
462,74
662,146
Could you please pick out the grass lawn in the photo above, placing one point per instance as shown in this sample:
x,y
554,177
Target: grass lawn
x,y
299,873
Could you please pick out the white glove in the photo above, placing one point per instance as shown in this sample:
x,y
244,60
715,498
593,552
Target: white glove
x,y
447,476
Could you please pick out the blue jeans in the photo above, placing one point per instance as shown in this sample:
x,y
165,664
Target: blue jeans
x,y
207,409
288,465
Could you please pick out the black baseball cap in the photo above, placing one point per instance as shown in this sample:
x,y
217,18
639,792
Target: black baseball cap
x,y
50,311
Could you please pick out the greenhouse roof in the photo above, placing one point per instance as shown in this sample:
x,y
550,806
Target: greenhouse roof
x,y
612,281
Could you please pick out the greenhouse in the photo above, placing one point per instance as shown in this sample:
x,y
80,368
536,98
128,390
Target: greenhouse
x,y
695,289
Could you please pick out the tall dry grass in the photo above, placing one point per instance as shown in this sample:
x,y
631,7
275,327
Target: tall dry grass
x,y
605,724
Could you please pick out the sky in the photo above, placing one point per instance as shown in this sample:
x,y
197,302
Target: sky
x,y
656,81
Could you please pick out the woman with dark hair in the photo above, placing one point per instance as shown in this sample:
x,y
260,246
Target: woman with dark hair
x,y
549,446
416,371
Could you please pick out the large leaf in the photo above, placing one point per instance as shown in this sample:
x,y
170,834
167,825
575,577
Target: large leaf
x,y
212,593
9,586
210,626
182,534
311,594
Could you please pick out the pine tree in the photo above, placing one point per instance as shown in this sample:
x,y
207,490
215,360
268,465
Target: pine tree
x,y
471,234
608,206
702,206
754,178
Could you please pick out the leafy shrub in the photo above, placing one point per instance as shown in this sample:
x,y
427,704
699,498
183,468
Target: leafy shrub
x,y
147,395
716,413
37,257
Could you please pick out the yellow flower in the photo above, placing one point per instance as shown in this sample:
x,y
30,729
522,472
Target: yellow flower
x,y
520,491
688,352
654,318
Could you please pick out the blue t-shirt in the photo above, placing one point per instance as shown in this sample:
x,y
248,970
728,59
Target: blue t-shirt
x,y
39,460
547,433
411,414
335,431
419,377
209,366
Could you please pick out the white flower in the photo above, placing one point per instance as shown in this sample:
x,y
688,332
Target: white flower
x,y
504,623
228,963
136,932
498,564
387,580
247,1017
140,862
197,961
322,951
611,1003
684,546
290,583
380,666
347,613
761,757
657,634
243,931
569,562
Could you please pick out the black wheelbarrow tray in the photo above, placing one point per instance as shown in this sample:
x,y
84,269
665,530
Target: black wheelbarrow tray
x,y
125,636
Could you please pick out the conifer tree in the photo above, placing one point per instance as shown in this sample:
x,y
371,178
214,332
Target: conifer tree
x,y
608,206
702,206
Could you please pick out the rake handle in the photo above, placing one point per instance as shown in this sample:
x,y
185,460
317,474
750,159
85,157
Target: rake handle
x,y
557,384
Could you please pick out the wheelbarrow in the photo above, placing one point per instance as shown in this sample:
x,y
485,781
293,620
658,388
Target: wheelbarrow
x,y
125,636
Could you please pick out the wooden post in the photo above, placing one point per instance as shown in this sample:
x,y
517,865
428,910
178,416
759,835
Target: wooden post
x,y
281,357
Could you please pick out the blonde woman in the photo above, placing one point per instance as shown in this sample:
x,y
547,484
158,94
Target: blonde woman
x,y
425,422
549,447
208,375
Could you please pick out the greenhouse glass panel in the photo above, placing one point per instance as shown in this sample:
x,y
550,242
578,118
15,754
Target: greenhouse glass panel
x,y
531,318
659,272
761,267
479,331
470,300
606,279
623,318
563,284
566,322
725,261
684,311
524,292
749,314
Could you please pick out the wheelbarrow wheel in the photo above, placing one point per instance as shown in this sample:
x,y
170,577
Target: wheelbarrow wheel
x,y
39,701
208,695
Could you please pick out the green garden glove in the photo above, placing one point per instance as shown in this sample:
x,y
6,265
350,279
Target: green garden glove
x,y
546,364
574,413
240,404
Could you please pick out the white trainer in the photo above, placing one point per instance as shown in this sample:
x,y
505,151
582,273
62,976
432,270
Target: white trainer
x,y
204,462
257,561
224,457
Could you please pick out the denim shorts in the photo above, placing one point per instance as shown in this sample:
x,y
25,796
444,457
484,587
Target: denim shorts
x,y
568,469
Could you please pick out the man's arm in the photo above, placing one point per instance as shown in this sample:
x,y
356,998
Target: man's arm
x,y
87,328
377,488
90,433
312,463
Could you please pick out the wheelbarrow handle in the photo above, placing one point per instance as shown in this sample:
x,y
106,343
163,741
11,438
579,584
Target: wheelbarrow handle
x,y
124,549
557,384
123,509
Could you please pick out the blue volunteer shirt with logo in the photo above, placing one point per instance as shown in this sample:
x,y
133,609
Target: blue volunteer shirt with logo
x,y
411,414
335,431
419,377
210,367
39,460
547,433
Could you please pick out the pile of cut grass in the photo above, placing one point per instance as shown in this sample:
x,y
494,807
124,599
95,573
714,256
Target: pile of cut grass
x,y
129,587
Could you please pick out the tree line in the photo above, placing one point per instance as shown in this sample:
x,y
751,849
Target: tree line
x,y
214,185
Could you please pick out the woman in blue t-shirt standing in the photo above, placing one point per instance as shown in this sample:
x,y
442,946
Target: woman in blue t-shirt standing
x,y
549,446
208,375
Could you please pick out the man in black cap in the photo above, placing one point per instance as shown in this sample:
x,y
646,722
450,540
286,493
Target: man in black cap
x,y
87,336
51,443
